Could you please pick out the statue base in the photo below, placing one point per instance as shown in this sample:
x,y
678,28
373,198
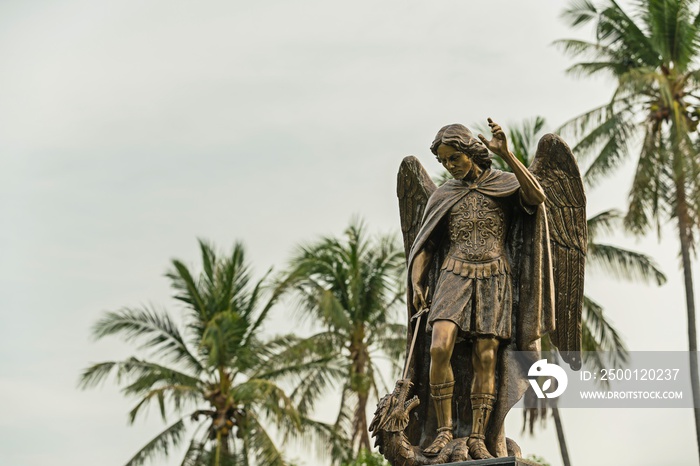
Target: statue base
x,y
507,461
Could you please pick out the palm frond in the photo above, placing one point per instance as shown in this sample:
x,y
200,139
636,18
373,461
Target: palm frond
x,y
580,12
317,382
330,444
283,353
162,444
524,138
651,186
635,48
96,374
390,340
616,134
133,368
276,292
223,336
176,394
623,263
577,126
181,279
576,48
194,454
672,31
154,330
600,339
259,444
603,223
269,399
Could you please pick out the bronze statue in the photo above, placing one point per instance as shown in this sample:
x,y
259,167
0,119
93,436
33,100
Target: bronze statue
x,y
495,260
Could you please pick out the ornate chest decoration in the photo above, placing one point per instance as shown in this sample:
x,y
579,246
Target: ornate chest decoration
x,y
477,228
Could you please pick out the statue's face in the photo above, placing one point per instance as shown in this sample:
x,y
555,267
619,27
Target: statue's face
x,y
457,163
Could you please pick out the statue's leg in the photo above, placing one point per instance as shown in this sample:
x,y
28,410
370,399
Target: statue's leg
x,y
482,394
442,382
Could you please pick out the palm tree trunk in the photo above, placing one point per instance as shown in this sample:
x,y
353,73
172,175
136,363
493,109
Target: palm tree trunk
x,y
364,433
560,435
217,457
684,229
359,354
225,451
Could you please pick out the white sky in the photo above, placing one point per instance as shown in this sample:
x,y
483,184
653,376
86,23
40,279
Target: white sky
x,y
130,128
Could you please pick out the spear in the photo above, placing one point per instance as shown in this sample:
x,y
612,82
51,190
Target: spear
x,y
417,318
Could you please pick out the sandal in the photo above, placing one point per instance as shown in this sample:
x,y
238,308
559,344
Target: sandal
x,y
477,448
444,437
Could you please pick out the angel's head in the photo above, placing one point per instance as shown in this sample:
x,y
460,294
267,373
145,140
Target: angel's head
x,y
456,148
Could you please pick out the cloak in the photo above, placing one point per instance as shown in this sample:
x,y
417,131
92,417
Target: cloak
x,y
528,250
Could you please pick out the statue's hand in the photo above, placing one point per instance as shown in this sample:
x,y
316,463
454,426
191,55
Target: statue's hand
x,y
499,144
419,301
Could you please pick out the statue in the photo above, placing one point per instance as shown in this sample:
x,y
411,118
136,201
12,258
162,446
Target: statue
x,y
495,261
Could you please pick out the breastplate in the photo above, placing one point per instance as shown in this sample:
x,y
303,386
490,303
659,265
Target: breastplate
x,y
477,228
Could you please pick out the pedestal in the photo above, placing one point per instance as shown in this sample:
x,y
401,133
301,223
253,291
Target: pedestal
x,y
507,461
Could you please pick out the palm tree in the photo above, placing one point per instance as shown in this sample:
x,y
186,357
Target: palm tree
x,y
652,52
348,287
214,372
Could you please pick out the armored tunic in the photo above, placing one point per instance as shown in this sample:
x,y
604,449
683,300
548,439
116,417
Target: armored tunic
x,y
474,288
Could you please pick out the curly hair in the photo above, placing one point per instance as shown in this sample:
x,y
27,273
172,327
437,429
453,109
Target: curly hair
x,y
459,137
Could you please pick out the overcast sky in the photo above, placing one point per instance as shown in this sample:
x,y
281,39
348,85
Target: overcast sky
x,y
130,128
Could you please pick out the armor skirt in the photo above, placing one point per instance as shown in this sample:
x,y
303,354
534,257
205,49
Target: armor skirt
x,y
477,297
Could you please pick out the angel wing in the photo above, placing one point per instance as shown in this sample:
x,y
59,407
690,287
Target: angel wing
x,y
413,187
556,169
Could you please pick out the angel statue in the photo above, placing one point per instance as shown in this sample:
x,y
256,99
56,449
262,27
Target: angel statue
x,y
495,262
